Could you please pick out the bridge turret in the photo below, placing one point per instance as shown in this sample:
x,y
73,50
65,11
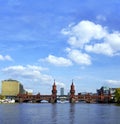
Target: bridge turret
x,y
72,93
72,90
54,93
54,90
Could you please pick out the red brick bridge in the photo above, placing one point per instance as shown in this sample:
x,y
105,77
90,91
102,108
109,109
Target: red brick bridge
x,y
88,98
38,98
72,97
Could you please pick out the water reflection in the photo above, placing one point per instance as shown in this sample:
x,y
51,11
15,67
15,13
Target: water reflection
x,y
59,114
54,113
72,113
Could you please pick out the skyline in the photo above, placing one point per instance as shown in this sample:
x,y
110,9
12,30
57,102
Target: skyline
x,y
63,40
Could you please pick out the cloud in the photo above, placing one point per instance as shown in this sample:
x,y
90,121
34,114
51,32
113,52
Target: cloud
x,y
91,37
100,48
5,58
58,61
79,57
59,84
29,72
73,55
113,82
113,40
83,33
84,38
110,45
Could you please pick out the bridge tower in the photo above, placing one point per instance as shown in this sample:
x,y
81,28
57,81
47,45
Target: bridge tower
x,y
54,93
72,94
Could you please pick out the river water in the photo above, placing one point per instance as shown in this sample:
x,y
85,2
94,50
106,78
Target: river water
x,y
45,113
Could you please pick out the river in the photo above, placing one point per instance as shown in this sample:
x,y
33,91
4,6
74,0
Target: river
x,y
46,113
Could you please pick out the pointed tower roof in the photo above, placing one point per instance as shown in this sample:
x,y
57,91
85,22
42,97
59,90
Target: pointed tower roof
x,y
72,82
54,82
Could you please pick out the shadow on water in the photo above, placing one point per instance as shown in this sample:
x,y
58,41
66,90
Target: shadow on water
x,y
117,105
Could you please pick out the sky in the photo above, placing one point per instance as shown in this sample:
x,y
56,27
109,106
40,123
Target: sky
x,y
66,40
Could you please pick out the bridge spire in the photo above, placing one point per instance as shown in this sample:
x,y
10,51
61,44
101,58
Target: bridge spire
x,y
54,93
72,81
72,93
54,81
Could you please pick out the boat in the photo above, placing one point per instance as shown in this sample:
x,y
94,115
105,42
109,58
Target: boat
x,y
7,101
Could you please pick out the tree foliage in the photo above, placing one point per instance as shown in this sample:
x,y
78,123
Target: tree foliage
x,y
2,97
117,95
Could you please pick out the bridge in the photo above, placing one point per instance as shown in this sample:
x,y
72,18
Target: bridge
x,y
88,98
35,98
93,98
38,98
72,98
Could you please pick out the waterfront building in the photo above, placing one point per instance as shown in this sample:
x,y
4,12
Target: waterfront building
x,y
62,91
11,88
106,91
103,90
112,92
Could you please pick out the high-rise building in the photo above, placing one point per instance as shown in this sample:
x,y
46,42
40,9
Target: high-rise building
x,y
11,88
103,90
62,91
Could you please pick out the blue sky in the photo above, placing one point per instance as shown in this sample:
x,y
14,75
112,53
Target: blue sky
x,y
63,40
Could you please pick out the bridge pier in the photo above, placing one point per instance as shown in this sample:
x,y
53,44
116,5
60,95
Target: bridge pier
x,y
72,100
52,100
20,100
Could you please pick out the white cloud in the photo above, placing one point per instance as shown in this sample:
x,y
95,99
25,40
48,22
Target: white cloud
x,y
5,58
30,72
100,48
88,37
58,61
79,57
113,40
93,38
27,72
113,82
83,33
59,84
38,68
110,45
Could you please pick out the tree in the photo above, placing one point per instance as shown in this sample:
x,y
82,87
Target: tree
x,y
2,97
117,95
